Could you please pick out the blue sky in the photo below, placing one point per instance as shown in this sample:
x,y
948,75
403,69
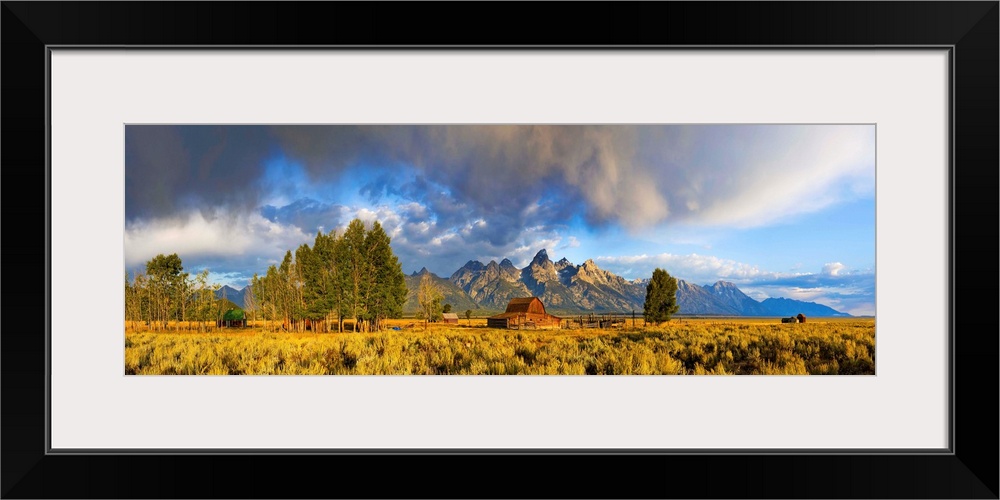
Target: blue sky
x,y
780,210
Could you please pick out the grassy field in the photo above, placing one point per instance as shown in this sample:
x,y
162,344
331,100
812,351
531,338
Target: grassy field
x,y
689,346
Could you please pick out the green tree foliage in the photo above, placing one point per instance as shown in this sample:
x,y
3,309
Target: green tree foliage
x,y
468,315
164,295
355,275
167,288
661,297
447,308
354,269
385,289
352,276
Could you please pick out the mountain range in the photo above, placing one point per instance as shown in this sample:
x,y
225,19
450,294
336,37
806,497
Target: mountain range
x,y
233,295
566,288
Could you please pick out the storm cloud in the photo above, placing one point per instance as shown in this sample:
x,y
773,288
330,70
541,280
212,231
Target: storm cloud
x,y
170,169
632,176
635,176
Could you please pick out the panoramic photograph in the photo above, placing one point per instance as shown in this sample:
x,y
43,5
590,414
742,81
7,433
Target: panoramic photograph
x,y
549,249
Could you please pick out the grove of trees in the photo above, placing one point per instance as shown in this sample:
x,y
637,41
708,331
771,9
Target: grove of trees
x,y
661,297
354,275
163,294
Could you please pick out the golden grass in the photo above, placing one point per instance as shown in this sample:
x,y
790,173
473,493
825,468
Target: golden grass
x,y
690,346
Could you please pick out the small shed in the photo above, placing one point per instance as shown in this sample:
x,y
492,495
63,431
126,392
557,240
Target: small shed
x,y
450,318
233,318
801,317
524,313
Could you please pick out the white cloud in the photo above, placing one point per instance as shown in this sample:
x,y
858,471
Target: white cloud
x,y
836,286
692,267
571,242
756,175
195,236
832,268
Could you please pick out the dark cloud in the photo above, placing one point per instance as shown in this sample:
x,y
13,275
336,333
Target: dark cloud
x,y
485,170
170,168
633,175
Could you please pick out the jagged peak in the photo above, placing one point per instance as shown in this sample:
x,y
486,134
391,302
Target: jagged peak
x,y
542,255
590,264
473,265
506,263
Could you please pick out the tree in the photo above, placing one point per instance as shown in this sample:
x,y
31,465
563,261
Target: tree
x,y
166,279
447,308
133,303
354,269
385,290
204,299
429,297
661,297
468,316
325,253
250,301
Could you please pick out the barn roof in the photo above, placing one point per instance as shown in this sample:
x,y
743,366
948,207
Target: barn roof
x,y
450,315
523,304
506,315
234,315
520,315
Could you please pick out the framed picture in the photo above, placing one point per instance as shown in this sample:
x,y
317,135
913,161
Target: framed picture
x,y
917,81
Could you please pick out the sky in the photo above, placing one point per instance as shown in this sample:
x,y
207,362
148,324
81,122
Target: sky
x,y
779,210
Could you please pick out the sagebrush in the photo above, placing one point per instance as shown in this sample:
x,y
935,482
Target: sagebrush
x,y
756,348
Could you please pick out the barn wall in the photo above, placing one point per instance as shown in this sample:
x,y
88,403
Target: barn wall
x,y
496,322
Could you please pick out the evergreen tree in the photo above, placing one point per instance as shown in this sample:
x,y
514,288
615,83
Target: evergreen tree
x,y
354,268
324,280
313,291
386,286
661,297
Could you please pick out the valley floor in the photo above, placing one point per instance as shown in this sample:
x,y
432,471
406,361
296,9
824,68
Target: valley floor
x,y
683,346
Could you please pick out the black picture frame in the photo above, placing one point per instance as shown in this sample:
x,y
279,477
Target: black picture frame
x,y
970,29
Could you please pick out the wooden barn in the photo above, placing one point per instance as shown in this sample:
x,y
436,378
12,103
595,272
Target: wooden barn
x,y
233,318
450,318
524,313
801,317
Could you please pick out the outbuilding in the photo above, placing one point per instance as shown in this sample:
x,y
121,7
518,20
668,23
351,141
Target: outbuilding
x,y
450,318
233,318
524,313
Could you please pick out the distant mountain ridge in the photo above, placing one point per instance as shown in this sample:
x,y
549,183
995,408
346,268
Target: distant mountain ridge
x,y
233,295
453,294
566,288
